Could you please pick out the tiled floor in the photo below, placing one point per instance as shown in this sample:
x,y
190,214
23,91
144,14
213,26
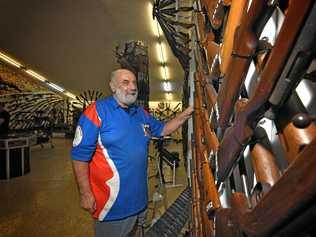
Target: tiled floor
x,y
45,202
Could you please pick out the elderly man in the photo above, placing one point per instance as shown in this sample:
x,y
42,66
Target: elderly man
x,y
110,156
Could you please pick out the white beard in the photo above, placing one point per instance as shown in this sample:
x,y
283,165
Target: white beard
x,y
126,99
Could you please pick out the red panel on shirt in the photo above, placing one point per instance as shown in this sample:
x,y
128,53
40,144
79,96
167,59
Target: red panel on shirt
x,y
91,113
100,173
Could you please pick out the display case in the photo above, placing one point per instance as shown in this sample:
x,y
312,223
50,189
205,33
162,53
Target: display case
x,y
15,155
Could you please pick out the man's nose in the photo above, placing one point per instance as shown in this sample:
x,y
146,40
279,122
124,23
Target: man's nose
x,y
133,87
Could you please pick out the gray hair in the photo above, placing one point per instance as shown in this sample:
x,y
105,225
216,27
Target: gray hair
x,y
115,72
114,75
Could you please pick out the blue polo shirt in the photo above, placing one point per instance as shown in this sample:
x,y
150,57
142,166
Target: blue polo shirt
x,y
115,143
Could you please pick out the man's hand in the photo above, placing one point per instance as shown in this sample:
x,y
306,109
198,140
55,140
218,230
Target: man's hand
x,y
188,111
176,122
87,202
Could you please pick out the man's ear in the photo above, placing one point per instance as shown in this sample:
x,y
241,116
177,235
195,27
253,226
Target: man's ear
x,y
112,87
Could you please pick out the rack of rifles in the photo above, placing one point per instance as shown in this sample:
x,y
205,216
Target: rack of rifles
x,y
259,193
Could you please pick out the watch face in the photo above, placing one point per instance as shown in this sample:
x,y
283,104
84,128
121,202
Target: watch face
x,y
78,136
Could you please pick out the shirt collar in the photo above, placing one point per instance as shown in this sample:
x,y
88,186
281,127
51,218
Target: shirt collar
x,y
116,105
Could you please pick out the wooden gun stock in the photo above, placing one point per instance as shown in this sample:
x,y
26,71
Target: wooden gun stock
x,y
237,136
211,140
196,208
211,195
296,190
237,10
263,160
203,162
198,94
244,48
209,135
210,94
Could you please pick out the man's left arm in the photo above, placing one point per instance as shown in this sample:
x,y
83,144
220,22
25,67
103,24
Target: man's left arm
x,y
176,122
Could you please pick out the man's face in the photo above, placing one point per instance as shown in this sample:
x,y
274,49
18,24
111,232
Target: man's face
x,y
124,87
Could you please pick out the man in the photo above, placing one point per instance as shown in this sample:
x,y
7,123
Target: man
x,y
4,120
110,156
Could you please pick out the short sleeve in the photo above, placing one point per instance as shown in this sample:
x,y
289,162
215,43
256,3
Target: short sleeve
x,y
156,127
86,135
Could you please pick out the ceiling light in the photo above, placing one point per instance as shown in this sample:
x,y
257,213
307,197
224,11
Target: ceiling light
x,y
164,72
36,75
160,53
167,86
56,87
10,60
163,51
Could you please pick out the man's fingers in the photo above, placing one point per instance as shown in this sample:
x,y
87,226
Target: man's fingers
x,y
88,203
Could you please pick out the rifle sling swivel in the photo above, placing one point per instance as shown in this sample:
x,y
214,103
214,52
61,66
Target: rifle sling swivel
x,y
241,56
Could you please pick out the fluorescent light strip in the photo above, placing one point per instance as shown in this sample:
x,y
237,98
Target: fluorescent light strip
x,y
36,75
10,60
164,72
161,53
56,87
158,51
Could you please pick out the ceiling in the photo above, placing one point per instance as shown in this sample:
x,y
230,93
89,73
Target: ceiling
x,y
71,42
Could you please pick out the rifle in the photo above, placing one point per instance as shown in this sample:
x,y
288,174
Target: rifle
x,y
209,135
236,137
237,10
197,219
209,196
269,216
209,200
244,48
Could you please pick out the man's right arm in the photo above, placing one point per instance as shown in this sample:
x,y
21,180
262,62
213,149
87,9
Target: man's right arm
x,y
84,146
87,200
